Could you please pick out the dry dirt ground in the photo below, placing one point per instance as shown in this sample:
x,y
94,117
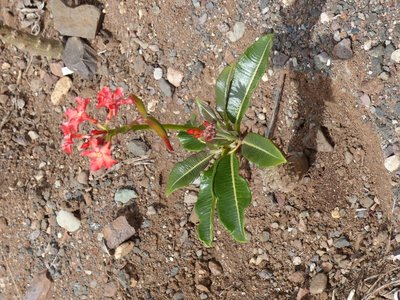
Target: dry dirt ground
x,y
338,220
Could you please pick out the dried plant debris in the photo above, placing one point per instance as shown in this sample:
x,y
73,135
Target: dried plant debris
x,y
30,13
33,44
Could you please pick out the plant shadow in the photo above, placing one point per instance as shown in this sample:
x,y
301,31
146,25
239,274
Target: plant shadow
x,y
313,86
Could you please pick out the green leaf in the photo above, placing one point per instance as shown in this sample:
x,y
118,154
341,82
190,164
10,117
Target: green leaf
x,y
222,87
206,111
233,195
249,70
185,172
205,207
261,151
189,142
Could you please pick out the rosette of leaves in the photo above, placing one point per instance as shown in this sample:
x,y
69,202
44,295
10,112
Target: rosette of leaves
x,y
223,192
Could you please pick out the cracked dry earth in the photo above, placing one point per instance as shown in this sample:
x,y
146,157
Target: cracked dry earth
x,y
331,233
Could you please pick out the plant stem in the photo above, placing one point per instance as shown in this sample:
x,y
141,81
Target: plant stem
x,y
137,127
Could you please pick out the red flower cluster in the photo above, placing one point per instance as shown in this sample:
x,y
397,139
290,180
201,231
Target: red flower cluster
x,y
97,149
111,100
208,132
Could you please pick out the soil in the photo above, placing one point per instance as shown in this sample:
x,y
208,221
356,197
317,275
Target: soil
x,y
339,219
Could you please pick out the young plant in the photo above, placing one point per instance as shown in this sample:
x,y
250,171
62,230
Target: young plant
x,y
218,142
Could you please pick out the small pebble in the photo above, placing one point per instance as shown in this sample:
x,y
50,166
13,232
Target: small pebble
x,y
124,195
215,268
237,33
395,56
297,261
174,76
342,242
158,73
68,221
83,178
123,249
392,163
343,49
61,89
365,100
318,284
151,211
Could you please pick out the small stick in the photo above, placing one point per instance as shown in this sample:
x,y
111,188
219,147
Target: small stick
x,y
276,98
11,275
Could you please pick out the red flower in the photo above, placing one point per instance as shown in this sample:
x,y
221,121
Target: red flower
x,y
208,132
68,138
111,100
79,115
197,133
100,154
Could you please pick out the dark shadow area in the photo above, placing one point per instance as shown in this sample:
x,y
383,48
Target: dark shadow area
x,y
314,87
132,215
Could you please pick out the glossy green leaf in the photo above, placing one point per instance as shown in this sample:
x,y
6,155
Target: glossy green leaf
x,y
185,172
261,151
206,111
233,195
222,88
248,72
205,207
189,142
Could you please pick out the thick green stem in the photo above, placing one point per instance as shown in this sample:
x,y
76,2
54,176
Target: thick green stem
x,y
136,127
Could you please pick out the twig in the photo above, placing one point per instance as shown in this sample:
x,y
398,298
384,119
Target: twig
x,y
380,277
11,275
382,287
130,161
276,99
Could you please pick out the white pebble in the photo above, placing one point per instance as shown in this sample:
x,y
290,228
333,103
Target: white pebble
x,y
392,163
68,221
158,73
395,56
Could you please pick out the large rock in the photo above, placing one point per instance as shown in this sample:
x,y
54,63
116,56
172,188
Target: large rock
x,y
81,21
80,57
117,232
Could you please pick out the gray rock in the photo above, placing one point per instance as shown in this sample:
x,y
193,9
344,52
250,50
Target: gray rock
x,y
318,284
82,178
377,51
366,202
68,221
178,296
322,61
80,57
125,195
280,59
343,50
365,100
137,148
165,87
237,33
81,21
341,242
395,56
